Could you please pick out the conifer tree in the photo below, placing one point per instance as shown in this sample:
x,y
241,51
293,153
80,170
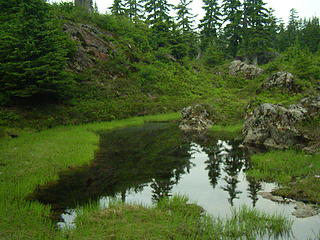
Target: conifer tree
x,y
117,8
133,9
232,11
185,38
255,36
33,51
211,22
157,11
185,19
310,34
293,26
87,4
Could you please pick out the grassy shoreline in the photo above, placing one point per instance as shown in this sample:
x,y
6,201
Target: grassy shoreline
x,y
37,158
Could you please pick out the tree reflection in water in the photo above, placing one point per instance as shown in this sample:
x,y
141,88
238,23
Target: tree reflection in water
x,y
154,155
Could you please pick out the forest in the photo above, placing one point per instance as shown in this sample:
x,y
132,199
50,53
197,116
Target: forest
x,y
90,105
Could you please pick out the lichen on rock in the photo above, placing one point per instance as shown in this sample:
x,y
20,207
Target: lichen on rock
x,y
198,118
281,80
275,126
247,70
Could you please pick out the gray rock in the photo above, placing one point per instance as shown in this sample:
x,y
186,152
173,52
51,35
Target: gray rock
x,y
270,196
303,210
283,80
91,46
274,126
247,70
196,118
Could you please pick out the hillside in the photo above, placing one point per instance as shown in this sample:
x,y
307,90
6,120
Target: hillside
x,y
115,68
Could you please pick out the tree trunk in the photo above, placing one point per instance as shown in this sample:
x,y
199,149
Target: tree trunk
x,y
87,4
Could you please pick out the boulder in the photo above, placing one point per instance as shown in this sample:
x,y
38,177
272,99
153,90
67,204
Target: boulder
x,y
312,105
304,210
91,46
247,70
196,118
275,126
283,80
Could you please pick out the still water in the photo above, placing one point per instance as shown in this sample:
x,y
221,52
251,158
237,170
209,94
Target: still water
x,y
143,164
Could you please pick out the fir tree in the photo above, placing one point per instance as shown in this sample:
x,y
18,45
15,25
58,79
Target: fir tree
x,y
133,9
158,11
211,22
293,26
233,31
255,35
117,8
33,51
185,19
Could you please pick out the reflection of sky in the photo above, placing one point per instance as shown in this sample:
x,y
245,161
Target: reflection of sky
x,y
197,187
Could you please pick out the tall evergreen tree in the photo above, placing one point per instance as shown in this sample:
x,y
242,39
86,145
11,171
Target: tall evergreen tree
x,y
158,11
255,35
133,9
185,19
33,51
117,8
310,34
211,22
293,25
232,11
184,38
87,4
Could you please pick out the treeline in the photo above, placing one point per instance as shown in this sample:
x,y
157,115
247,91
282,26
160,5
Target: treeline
x,y
233,28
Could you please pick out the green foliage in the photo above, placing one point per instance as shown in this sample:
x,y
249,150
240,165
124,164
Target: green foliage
x,y
211,22
51,151
174,218
213,56
33,51
295,171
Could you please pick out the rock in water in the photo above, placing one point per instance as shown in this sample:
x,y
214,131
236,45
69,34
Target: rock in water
x,y
303,210
241,68
283,80
196,118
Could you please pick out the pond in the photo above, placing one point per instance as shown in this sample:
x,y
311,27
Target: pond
x,y
143,164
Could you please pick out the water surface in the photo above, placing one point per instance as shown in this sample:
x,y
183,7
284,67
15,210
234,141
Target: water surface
x,y
143,164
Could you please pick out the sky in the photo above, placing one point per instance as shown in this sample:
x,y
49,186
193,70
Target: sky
x,y
305,8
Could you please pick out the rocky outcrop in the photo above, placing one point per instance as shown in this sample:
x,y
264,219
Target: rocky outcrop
x,y
196,118
282,80
91,46
241,68
302,210
274,126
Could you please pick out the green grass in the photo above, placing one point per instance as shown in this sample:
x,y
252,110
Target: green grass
x,y
227,131
34,159
173,218
295,171
37,158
